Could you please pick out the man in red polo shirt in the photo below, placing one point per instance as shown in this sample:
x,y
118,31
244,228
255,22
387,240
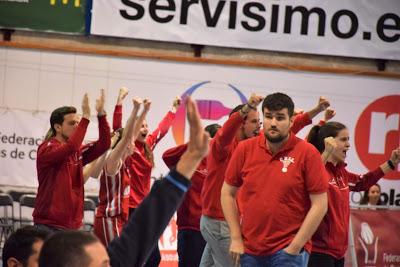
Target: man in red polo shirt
x,y
283,199
243,123
61,157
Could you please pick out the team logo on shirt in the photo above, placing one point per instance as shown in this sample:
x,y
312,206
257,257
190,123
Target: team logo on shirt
x,y
286,162
127,190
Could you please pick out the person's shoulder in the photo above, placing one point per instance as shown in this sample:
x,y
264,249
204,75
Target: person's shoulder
x,y
48,144
250,142
306,146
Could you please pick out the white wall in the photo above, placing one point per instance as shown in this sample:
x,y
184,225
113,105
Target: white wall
x,y
33,81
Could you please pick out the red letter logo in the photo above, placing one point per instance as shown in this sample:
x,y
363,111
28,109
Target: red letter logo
x,y
378,133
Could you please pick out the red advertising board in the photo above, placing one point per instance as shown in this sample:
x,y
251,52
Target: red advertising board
x,y
376,237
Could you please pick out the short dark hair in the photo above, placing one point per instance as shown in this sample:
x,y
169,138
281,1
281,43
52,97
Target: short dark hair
x,y
19,244
212,129
67,248
318,133
278,101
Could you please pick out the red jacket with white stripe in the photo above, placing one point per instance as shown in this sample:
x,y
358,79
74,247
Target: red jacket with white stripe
x,y
114,194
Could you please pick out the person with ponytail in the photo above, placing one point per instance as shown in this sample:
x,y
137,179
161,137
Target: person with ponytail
x,y
330,241
141,162
113,210
60,160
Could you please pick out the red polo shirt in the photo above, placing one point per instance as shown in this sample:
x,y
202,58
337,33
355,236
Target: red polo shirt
x,y
274,191
221,148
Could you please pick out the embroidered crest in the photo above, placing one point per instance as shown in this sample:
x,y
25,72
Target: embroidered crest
x,y
286,162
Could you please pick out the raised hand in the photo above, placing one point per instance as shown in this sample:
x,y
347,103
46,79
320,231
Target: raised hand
x,y
197,147
395,157
146,104
85,107
123,92
176,103
330,145
323,103
100,102
329,114
198,138
254,100
137,102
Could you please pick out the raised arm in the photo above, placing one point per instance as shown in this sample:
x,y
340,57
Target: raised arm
x,y
141,118
164,125
94,150
322,105
227,133
93,169
302,119
146,225
113,161
364,182
117,116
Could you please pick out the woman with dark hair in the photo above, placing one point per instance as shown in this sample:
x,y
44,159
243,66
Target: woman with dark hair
x,y
331,238
372,196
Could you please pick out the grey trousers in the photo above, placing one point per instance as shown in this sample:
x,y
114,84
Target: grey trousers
x,y
217,235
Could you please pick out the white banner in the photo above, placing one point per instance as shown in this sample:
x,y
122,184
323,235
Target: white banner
x,y
358,28
20,134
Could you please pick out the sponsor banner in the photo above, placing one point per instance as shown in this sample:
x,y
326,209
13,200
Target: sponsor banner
x,y
376,238
20,135
368,29
64,16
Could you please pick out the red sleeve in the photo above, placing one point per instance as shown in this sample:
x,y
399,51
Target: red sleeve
x,y
233,173
49,154
225,136
161,130
117,117
172,155
94,150
364,182
300,121
316,176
